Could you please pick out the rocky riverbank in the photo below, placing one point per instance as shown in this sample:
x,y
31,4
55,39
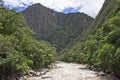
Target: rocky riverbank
x,y
70,71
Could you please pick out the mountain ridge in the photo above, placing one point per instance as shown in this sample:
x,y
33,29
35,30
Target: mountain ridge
x,y
108,9
99,45
56,27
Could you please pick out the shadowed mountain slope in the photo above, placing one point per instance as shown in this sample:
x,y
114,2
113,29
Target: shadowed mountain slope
x,y
57,28
99,45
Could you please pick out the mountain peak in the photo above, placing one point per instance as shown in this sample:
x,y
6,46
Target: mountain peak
x,y
57,28
38,4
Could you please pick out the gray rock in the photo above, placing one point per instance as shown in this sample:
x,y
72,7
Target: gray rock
x,y
23,78
101,74
42,73
45,76
32,73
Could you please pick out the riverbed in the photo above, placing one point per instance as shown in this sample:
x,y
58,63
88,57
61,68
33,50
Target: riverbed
x,y
72,71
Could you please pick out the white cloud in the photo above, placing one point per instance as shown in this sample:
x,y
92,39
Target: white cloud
x,y
90,7
59,5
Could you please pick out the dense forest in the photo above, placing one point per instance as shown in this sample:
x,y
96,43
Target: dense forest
x,y
19,50
57,28
22,49
101,48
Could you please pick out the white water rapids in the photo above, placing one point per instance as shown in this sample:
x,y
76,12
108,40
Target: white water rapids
x,y
72,71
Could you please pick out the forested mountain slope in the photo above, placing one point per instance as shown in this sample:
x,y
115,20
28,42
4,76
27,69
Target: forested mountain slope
x,y
109,9
19,50
57,28
100,44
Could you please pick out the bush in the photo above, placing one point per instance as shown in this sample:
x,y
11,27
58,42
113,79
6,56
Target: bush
x,y
19,50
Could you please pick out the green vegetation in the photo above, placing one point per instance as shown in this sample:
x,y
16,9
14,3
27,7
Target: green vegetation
x,y
73,54
57,28
102,49
100,44
19,51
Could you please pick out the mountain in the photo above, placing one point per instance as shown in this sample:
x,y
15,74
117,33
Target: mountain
x,y
57,28
109,9
99,44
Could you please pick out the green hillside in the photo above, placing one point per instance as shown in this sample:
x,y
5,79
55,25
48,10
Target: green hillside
x,y
57,28
19,51
31,39
99,45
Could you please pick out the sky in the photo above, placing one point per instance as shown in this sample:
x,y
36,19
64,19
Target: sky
x,y
90,7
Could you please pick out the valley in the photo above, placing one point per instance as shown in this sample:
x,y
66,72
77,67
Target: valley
x,y
38,36
57,28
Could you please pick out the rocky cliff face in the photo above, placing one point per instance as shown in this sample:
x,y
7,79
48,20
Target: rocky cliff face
x,y
57,28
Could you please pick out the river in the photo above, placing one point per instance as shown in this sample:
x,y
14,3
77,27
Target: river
x,y
72,71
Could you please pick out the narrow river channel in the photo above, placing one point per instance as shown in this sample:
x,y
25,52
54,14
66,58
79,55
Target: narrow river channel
x,y
72,71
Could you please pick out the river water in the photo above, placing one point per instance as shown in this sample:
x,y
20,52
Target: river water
x,y
72,71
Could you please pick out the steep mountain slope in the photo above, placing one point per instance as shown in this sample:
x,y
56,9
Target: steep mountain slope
x,y
57,28
100,43
109,9
19,50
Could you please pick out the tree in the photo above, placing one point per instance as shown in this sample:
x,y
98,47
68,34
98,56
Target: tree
x,y
19,50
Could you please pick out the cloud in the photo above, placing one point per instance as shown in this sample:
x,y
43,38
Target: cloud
x,y
71,10
90,7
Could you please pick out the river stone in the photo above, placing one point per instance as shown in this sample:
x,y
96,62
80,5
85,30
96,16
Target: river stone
x,y
45,76
101,74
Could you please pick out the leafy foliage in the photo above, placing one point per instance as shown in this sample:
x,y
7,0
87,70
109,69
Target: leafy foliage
x,y
100,44
104,54
19,51
57,28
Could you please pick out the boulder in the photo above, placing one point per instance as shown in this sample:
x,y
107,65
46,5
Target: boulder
x,y
101,74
